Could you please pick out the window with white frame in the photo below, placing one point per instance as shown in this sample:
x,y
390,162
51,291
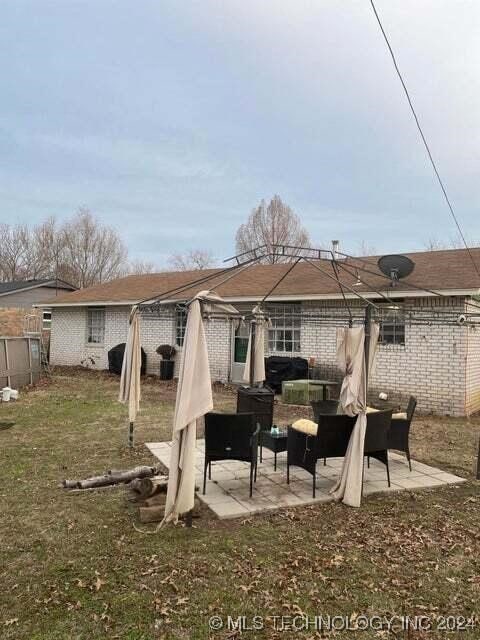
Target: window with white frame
x,y
180,324
392,325
47,319
95,325
284,334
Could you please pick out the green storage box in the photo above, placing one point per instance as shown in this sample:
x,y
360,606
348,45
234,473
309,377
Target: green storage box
x,y
301,392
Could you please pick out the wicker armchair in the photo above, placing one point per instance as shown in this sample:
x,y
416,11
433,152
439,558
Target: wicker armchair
x,y
376,437
331,441
231,436
398,436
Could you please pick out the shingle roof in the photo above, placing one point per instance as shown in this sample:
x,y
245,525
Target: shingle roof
x,y
18,285
448,270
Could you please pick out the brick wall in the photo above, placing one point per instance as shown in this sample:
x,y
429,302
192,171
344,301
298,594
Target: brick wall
x,y
69,339
440,364
68,342
155,331
431,364
472,391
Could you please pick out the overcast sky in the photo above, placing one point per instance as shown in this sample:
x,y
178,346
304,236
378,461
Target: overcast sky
x,y
170,120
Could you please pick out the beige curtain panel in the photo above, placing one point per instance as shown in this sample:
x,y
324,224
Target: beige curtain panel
x,y
131,367
353,400
261,327
194,400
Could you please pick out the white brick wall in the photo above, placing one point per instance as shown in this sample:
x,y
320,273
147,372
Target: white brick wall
x,y
472,391
438,364
431,365
68,342
69,339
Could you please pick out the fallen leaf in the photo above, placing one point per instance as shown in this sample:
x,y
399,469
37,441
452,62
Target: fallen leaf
x,y
99,583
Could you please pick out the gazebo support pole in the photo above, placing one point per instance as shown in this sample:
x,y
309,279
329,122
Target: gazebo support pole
x,y
368,320
478,461
130,434
252,351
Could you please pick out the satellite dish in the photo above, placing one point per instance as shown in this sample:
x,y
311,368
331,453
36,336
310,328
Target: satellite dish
x,y
395,267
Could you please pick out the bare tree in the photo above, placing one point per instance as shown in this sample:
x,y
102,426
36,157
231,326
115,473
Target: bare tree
x,y
93,253
193,260
366,249
455,242
12,251
272,224
52,242
81,251
138,267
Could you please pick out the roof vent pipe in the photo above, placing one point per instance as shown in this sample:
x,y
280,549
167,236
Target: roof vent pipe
x,y
335,245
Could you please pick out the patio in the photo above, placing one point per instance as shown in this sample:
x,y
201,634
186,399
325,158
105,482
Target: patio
x,y
227,494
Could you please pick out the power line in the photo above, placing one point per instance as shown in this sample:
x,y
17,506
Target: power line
x,y
442,186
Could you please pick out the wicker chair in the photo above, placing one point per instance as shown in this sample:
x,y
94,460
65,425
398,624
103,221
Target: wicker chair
x,y
331,441
324,408
231,436
398,436
376,437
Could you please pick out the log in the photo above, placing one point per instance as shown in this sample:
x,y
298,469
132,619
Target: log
x,y
155,500
112,477
146,487
142,487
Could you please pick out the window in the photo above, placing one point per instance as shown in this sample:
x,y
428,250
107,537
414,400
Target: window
x,y
47,319
240,345
95,325
392,325
284,335
180,324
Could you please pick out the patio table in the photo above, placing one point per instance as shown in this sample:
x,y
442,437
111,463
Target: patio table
x,y
276,442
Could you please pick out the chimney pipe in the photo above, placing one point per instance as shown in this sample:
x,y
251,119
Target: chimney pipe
x,y
335,244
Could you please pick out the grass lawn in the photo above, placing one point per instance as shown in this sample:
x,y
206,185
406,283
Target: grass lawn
x,y
72,566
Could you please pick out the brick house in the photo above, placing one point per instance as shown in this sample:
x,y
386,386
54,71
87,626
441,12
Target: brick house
x,y
438,361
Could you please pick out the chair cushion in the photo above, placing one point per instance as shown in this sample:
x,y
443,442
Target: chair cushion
x,y
399,416
306,426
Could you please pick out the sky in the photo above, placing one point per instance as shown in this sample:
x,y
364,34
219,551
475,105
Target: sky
x,y
171,120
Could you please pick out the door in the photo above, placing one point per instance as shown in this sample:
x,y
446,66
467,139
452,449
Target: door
x,y
239,349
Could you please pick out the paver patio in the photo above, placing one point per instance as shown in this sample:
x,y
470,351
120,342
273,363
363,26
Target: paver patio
x,y
227,493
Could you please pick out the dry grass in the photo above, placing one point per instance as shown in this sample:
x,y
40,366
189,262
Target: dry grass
x,y
73,566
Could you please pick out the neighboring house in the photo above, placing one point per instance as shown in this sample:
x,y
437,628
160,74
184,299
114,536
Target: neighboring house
x,y
439,363
17,299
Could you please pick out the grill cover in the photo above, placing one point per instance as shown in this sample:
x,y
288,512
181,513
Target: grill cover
x,y
258,401
281,368
115,359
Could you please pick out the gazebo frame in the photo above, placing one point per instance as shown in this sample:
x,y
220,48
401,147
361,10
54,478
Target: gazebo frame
x,y
369,312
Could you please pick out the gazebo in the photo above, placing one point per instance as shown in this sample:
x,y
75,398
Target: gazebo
x,y
357,331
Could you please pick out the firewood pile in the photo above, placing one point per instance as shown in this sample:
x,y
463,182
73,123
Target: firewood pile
x,y
150,494
146,488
